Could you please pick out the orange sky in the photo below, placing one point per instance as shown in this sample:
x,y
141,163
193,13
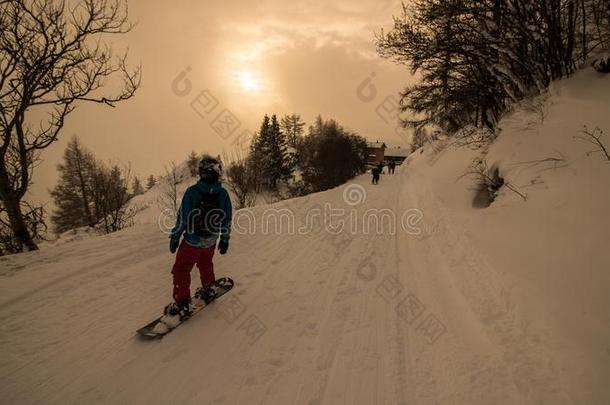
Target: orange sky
x,y
243,59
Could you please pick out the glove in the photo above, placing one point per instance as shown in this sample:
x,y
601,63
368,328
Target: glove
x,y
223,246
173,244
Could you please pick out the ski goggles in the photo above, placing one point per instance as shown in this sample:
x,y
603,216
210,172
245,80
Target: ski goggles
x,y
211,166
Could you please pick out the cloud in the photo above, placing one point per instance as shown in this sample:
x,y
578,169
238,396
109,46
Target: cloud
x,y
306,57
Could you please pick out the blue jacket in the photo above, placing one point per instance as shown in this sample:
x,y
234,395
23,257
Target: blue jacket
x,y
190,202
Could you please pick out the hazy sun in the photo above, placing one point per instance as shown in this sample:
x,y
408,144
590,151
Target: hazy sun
x,y
249,81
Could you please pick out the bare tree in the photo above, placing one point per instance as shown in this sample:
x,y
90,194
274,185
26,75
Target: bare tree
x,y
51,58
192,163
168,186
479,58
116,213
34,220
241,179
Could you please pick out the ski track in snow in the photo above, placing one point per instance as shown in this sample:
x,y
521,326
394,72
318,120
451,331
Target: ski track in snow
x,y
331,337
521,289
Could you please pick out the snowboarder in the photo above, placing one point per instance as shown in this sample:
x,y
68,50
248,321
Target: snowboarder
x,y
391,167
375,171
204,215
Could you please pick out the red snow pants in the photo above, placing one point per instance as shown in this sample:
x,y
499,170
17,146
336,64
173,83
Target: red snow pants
x,y
186,257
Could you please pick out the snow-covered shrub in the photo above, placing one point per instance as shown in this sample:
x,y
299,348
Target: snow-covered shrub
x,y
473,137
595,137
487,183
602,64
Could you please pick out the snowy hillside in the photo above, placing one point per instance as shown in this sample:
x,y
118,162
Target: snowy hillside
x,y
447,303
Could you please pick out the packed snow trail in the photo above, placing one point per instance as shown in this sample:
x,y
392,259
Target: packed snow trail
x,y
518,291
332,334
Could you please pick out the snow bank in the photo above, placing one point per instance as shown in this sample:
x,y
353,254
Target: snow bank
x,y
550,249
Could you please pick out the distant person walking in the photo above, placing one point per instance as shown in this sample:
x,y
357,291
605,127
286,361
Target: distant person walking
x,y
376,172
391,167
380,166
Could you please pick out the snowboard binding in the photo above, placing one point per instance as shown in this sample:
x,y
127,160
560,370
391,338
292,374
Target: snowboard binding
x,y
182,309
206,295
216,289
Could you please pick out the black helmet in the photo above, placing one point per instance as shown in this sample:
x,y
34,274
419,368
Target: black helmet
x,y
210,169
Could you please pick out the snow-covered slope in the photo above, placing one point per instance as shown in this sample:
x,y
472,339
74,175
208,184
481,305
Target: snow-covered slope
x,y
507,304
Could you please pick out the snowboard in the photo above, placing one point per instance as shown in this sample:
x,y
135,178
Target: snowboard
x,y
167,323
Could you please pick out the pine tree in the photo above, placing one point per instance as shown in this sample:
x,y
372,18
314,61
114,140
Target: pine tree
x,y
280,168
293,128
258,152
151,182
136,188
269,154
72,195
168,187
